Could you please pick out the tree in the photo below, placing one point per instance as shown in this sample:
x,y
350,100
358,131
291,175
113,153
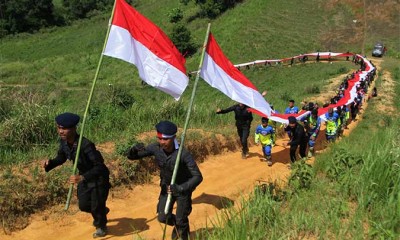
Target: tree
x,y
182,39
175,15
25,15
213,8
77,9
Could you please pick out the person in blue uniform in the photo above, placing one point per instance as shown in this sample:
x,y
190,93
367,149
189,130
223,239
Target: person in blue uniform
x,y
266,135
291,109
93,177
188,177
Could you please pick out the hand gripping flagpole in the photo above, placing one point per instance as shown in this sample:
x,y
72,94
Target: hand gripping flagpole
x,y
71,186
178,158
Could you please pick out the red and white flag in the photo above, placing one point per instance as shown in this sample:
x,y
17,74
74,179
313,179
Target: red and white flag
x,y
220,73
135,39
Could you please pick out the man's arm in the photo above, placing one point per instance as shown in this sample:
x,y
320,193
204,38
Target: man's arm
x,y
57,161
257,136
138,151
229,109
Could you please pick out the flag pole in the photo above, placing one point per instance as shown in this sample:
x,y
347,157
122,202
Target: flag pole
x,y
71,186
178,158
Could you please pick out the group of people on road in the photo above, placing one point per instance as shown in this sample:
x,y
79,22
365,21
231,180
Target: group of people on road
x,y
303,132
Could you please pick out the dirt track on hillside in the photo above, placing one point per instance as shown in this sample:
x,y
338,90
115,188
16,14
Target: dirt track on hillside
x,y
227,178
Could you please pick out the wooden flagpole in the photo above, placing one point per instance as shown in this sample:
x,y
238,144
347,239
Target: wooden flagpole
x,y
178,158
71,186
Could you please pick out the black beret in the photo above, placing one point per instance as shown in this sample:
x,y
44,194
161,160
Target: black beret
x,y
166,128
67,120
292,119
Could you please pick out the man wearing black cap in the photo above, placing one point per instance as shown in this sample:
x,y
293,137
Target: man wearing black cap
x,y
243,119
188,177
93,177
298,138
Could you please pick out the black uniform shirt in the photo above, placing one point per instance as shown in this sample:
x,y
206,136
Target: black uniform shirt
x,y
242,115
298,135
90,162
188,175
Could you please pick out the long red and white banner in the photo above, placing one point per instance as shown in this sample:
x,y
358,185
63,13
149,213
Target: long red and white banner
x,y
349,94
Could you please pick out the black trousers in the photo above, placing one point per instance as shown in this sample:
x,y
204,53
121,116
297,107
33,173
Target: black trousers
x,y
180,220
302,151
243,131
92,198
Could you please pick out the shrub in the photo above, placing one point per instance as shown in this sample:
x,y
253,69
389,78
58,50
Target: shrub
x,y
119,97
80,9
18,16
312,89
213,8
5,109
32,125
301,176
341,161
182,39
343,70
175,15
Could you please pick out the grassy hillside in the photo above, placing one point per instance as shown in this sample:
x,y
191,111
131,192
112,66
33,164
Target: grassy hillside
x,y
54,70
51,71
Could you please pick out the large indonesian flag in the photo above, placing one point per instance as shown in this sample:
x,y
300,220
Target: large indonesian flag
x,y
220,73
135,39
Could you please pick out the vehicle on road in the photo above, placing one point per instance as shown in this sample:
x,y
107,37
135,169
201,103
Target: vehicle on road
x,y
378,50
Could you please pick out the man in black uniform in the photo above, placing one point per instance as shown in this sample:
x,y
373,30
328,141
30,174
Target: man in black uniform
x,y
298,138
243,119
93,177
188,177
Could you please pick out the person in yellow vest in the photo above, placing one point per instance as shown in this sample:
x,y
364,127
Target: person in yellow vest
x,y
332,125
344,115
312,124
266,135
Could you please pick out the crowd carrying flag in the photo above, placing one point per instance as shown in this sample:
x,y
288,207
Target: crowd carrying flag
x,y
220,73
135,39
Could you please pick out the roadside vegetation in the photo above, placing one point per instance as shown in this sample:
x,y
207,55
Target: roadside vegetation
x,y
51,71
